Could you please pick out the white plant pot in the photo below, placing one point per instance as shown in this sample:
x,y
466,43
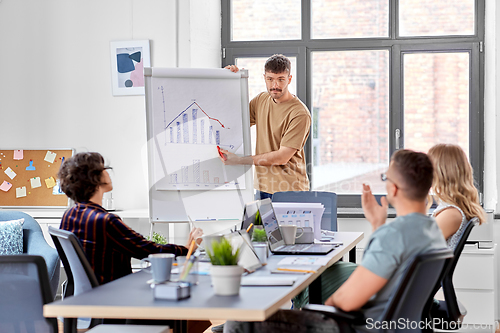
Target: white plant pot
x,y
261,250
226,279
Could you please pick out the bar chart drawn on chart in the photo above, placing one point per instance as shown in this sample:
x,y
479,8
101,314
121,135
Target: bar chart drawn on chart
x,y
191,121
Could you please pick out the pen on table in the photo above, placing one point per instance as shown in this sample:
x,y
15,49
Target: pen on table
x,y
249,227
295,270
191,248
188,265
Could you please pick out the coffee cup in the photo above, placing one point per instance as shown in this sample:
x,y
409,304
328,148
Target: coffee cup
x,y
289,233
160,266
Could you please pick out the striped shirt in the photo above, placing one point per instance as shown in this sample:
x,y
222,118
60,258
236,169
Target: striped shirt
x,y
108,243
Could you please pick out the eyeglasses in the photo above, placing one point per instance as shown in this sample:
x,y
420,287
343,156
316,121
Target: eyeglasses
x,y
383,177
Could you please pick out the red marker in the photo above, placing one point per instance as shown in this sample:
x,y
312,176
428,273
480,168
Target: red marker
x,y
221,154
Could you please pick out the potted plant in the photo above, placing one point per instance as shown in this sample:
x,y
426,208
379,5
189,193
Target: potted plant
x,y
225,272
259,240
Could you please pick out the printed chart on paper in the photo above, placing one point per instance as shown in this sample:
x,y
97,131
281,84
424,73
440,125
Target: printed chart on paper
x,y
192,117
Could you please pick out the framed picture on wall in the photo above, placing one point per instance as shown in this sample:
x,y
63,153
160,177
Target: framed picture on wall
x,y
128,59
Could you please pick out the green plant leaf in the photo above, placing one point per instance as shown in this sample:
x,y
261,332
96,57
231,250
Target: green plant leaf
x,y
222,253
158,238
259,235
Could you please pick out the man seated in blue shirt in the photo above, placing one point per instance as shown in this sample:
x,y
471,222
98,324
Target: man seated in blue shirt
x,y
389,249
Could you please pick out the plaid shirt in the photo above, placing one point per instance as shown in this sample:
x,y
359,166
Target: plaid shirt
x,y
108,243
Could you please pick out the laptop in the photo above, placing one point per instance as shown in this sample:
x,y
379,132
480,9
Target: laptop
x,y
275,239
249,214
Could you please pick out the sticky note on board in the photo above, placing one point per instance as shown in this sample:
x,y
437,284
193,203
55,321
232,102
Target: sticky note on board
x,y
50,156
18,154
50,182
20,192
5,186
9,172
36,182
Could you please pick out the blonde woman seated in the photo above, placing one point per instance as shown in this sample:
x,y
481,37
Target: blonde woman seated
x,y
453,188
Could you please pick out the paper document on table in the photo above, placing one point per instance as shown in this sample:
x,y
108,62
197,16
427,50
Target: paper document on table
x,y
297,208
303,261
300,220
267,281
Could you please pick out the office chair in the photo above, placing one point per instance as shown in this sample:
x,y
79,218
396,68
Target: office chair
x,y
451,312
81,277
328,199
411,300
25,288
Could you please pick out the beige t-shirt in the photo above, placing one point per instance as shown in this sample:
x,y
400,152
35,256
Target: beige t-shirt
x,y
285,124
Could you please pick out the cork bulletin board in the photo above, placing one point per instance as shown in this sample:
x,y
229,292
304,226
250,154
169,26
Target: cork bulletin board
x,y
28,178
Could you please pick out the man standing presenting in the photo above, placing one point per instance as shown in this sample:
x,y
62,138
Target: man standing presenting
x,y
283,124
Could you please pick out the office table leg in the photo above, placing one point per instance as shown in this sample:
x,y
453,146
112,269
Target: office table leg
x,y
315,291
180,326
352,255
69,325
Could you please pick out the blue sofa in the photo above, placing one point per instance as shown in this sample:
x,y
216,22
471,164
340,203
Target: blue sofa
x,y
34,243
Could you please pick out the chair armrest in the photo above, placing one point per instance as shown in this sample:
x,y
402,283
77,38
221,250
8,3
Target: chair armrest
x,y
354,317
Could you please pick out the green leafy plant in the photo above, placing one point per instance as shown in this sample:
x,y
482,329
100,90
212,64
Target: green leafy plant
x,y
223,254
259,235
158,238
258,219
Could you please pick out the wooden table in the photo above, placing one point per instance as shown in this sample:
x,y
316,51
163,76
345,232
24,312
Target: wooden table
x,y
131,297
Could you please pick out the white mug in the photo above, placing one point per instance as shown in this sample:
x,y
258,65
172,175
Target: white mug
x,y
161,266
289,233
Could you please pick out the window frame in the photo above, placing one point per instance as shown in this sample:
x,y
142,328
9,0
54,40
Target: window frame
x,y
397,47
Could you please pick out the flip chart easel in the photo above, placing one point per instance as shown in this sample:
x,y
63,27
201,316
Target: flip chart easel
x,y
201,97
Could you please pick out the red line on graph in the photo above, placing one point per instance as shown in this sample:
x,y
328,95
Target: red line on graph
x,y
217,120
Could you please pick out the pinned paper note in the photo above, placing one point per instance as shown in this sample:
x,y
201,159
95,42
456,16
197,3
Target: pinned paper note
x,y
5,186
18,154
50,182
20,192
56,190
9,172
35,182
50,156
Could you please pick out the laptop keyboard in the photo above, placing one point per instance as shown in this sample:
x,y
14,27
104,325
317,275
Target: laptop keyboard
x,y
295,247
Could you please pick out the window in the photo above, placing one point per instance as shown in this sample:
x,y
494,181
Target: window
x,y
376,75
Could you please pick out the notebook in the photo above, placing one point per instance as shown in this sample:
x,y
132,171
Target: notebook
x,y
275,239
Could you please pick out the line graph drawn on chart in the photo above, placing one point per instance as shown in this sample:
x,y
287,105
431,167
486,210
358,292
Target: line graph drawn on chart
x,y
195,119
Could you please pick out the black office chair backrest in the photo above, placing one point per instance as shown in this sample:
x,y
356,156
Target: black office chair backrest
x,y
452,307
81,277
413,296
328,199
25,288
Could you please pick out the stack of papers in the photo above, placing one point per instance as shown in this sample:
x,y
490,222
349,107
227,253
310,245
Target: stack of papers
x,y
267,281
301,214
300,265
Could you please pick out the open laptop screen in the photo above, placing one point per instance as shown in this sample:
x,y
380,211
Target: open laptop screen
x,y
249,213
270,222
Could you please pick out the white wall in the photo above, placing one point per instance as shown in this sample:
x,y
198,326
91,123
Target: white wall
x,y
55,84
55,76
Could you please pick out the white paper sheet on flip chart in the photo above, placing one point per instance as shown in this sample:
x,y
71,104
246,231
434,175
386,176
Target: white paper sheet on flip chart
x,y
315,208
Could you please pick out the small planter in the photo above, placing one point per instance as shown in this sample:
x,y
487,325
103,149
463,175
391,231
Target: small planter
x,y
226,279
261,249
